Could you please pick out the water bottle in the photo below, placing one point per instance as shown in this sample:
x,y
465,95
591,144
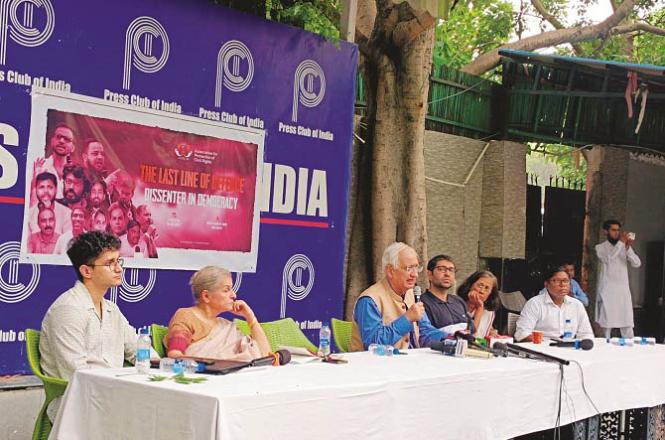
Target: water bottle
x,y
381,350
568,330
324,340
143,345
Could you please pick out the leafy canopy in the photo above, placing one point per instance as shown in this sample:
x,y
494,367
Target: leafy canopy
x,y
321,17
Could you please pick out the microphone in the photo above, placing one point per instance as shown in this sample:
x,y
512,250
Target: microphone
x,y
280,357
471,340
417,291
466,336
459,348
584,344
449,347
536,354
469,323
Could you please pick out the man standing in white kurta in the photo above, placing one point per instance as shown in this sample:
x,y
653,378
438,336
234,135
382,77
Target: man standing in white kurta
x,y
614,305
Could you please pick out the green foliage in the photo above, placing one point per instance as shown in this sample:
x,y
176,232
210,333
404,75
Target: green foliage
x,y
647,48
156,378
177,378
650,48
318,16
568,163
472,29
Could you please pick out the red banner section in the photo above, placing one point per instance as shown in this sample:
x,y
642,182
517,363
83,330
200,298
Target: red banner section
x,y
160,188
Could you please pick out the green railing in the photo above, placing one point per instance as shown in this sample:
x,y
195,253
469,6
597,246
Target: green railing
x,y
537,106
458,103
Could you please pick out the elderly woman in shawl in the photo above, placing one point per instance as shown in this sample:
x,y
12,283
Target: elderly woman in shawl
x,y
198,331
481,293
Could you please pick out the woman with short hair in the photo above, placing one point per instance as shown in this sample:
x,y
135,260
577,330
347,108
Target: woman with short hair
x,y
481,293
198,331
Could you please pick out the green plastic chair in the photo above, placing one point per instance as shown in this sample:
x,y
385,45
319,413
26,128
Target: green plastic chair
x,y
342,331
242,326
286,332
158,333
53,387
280,332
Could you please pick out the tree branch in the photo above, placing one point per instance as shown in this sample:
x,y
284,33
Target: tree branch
x,y
637,26
576,34
365,17
554,22
614,4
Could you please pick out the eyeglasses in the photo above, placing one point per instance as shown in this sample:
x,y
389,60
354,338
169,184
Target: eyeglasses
x,y
412,269
445,269
560,281
112,265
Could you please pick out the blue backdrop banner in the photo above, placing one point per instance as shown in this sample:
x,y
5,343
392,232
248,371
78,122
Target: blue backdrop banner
x,y
199,60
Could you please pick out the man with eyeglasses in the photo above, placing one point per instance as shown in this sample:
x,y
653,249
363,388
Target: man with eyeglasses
x,y
81,329
575,290
548,312
614,304
442,307
386,313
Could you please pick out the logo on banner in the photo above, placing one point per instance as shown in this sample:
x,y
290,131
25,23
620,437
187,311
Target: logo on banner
x,y
231,70
309,86
237,282
15,285
133,290
183,151
139,40
297,280
18,17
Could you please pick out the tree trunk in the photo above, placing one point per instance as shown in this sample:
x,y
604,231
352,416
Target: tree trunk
x,y
390,202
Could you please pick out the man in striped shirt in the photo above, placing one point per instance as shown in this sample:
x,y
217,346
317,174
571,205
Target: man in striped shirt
x,y
81,329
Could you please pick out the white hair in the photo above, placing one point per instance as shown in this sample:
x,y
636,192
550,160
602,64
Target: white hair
x,y
207,279
391,254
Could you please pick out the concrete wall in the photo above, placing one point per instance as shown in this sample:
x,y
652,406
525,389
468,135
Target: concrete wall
x,y
503,217
630,188
453,211
645,215
489,207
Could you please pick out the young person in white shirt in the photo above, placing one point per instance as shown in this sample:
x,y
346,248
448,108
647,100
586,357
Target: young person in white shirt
x,y
81,329
548,312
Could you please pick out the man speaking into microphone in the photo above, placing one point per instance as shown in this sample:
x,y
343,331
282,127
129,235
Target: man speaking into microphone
x,y
548,312
386,313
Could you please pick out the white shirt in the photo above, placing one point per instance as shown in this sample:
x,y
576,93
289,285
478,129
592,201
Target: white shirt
x,y
540,313
127,250
614,305
62,244
74,337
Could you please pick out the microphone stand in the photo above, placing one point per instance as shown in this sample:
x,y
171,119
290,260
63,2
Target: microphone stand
x,y
533,354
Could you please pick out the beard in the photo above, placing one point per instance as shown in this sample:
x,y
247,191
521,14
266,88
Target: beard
x,y
612,240
441,285
71,197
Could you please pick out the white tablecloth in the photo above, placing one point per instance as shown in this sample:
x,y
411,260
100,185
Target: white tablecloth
x,y
423,394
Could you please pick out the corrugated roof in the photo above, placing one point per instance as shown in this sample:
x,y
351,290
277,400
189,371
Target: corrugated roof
x,y
601,65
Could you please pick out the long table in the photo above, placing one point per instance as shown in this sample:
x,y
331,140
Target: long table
x,y
422,394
